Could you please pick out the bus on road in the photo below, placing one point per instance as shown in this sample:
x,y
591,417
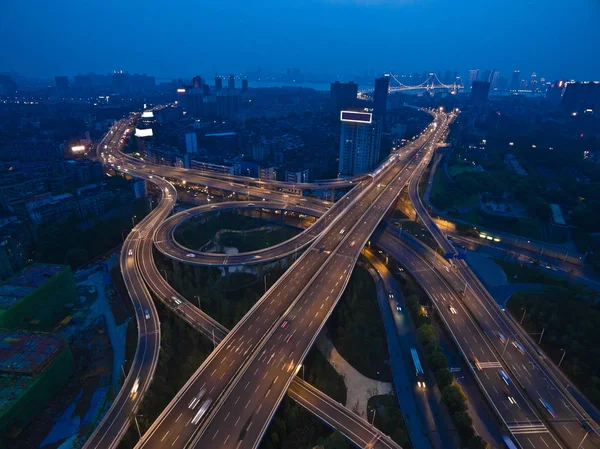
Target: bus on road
x,y
418,368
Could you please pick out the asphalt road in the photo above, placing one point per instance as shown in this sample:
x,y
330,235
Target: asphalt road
x,y
229,362
520,360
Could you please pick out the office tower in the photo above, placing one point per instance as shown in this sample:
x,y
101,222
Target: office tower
x,y
473,75
494,79
479,93
343,95
360,141
62,86
380,95
555,92
582,97
231,82
515,81
244,84
197,81
533,84
218,83
120,82
205,90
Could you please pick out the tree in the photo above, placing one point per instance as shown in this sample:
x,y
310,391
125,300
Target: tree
x,y
426,333
476,442
443,378
438,361
454,399
464,425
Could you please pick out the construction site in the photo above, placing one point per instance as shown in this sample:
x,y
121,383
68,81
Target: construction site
x,y
33,367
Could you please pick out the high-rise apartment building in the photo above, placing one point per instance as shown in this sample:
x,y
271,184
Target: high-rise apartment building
x,y
343,95
231,82
473,76
360,141
515,81
479,93
380,94
218,83
62,87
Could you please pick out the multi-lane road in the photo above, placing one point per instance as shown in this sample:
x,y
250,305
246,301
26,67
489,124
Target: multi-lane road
x,y
541,399
234,360
147,266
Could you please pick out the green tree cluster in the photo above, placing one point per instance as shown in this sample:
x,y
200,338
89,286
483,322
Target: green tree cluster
x,y
452,395
571,318
356,327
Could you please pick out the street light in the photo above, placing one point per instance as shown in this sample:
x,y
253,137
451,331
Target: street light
x,y
523,317
133,221
198,299
562,358
265,280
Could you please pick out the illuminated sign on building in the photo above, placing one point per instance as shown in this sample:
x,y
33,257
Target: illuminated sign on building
x,y
77,148
357,117
143,132
147,114
180,91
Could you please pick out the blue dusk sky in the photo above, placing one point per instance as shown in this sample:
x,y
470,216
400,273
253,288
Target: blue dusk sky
x,y
181,38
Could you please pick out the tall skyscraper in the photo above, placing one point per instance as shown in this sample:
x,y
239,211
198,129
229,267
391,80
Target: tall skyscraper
x,y
62,86
582,96
494,79
473,76
244,84
343,95
360,141
515,81
197,81
231,82
479,93
218,83
380,95
533,84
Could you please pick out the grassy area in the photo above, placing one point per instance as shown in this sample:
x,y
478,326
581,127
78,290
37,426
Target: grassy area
x,y
516,272
259,239
356,328
572,323
388,418
197,231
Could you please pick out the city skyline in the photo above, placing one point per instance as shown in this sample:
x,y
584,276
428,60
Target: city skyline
x,y
426,36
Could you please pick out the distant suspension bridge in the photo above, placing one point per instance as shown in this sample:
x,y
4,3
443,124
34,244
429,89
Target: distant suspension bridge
x,y
431,83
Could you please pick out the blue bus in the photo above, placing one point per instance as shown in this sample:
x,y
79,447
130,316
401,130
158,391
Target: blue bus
x,y
508,442
418,368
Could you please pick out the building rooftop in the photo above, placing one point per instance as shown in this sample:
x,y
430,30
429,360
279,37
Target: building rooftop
x,y
26,352
24,283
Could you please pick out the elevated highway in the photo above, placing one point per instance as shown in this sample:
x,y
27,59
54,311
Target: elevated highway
x,y
328,259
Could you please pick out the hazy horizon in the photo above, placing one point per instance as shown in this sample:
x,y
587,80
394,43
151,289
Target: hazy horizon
x,y
317,36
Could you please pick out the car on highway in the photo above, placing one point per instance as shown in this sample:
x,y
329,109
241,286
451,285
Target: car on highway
x,y
510,398
519,347
134,389
147,314
130,253
548,408
176,300
390,295
322,248
452,310
203,408
190,255
398,307
504,376
343,230
475,362
285,324
196,399
352,243
502,337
